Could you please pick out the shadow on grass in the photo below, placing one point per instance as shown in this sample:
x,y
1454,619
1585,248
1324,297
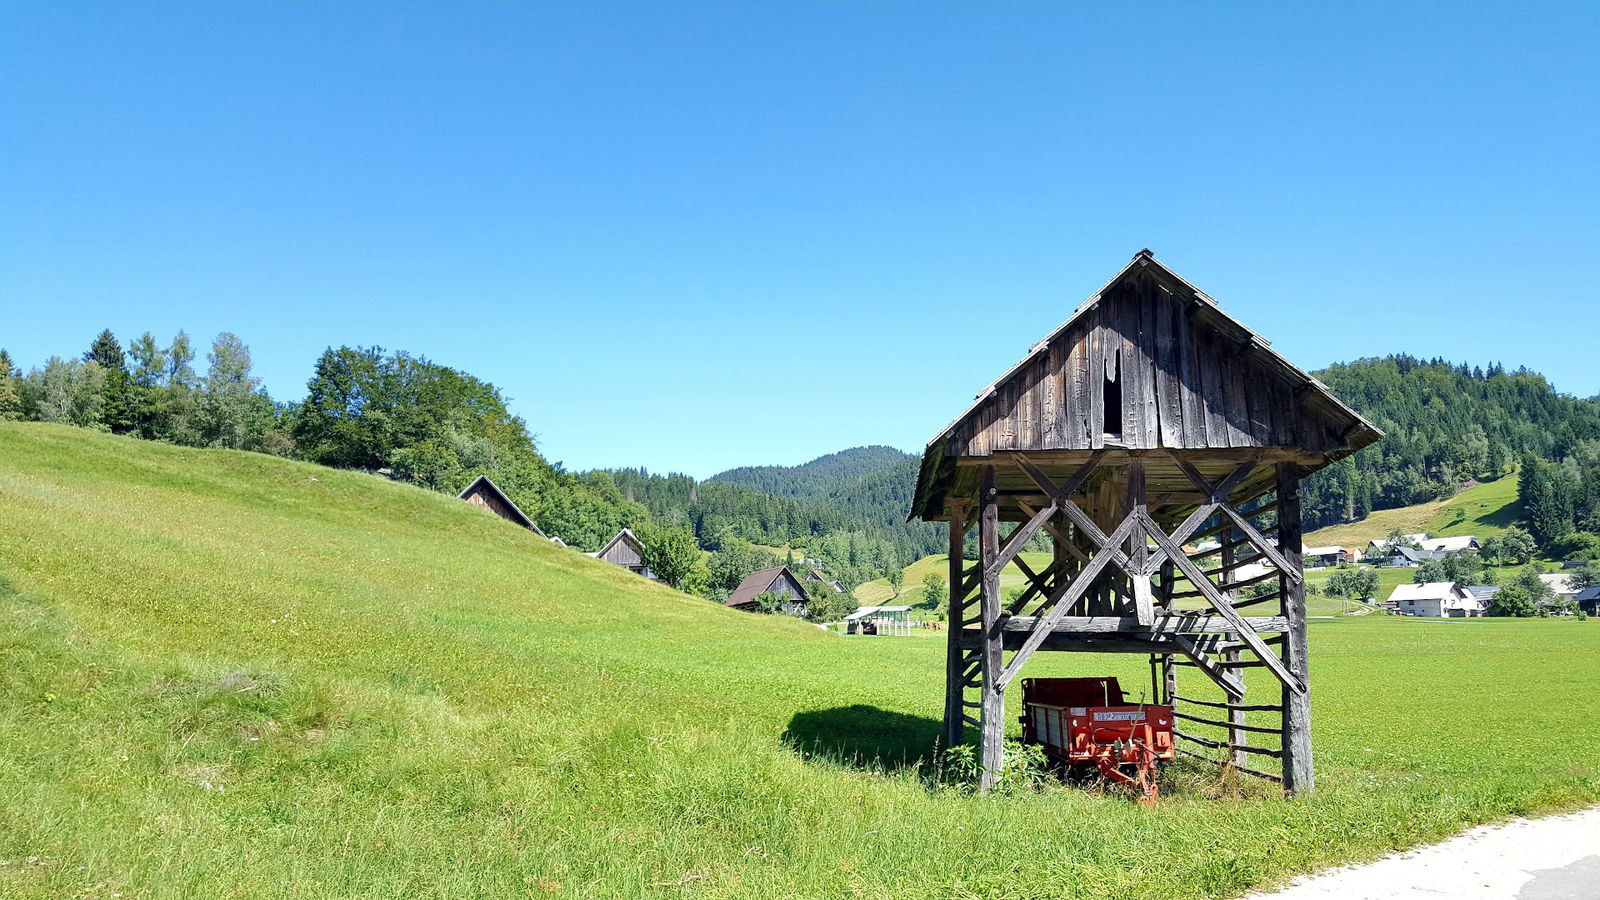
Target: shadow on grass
x,y
864,737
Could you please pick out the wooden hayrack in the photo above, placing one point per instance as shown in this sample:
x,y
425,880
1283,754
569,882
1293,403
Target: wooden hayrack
x,y
1146,423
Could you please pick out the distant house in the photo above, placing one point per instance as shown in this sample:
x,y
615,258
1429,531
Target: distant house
x,y
1463,544
1409,557
1484,592
1317,557
1561,585
1436,599
776,580
485,493
816,575
1588,600
625,550
1376,548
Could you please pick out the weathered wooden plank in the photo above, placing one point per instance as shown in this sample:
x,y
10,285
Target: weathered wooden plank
x,y
1211,392
1076,390
1238,400
1097,375
1169,391
1052,408
1150,430
1189,387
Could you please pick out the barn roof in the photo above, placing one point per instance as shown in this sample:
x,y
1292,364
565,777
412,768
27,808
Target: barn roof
x,y
626,536
1044,401
485,484
757,583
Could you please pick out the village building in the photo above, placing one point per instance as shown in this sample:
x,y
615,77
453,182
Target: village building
x,y
776,580
483,492
1484,593
1436,599
1561,585
1462,544
1378,547
1588,600
626,551
816,575
1322,557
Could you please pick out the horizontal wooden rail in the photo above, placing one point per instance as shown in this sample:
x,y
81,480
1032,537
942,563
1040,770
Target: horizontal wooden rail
x,y
1223,745
1254,729
1243,707
1237,768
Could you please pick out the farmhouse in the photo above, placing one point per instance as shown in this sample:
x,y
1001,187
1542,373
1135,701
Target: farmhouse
x,y
1560,585
1148,420
485,493
626,551
1588,600
1438,599
776,580
1382,547
1463,544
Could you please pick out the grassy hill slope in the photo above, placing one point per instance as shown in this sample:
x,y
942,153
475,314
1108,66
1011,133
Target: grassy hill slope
x,y
1481,509
224,674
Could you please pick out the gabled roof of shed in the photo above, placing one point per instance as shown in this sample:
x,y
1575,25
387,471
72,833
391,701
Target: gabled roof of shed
x,y
757,583
1305,417
1146,258
486,484
627,536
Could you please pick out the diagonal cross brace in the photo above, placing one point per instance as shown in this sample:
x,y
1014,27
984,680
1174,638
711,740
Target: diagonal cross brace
x,y
1064,598
1220,603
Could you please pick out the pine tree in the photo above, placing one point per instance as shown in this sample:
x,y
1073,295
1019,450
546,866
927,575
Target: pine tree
x,y
117,413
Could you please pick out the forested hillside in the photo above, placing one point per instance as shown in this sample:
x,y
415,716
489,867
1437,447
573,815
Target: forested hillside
x,y
819,477
1446,424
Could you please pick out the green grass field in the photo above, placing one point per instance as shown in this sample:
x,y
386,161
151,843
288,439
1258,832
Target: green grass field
x,y
224,674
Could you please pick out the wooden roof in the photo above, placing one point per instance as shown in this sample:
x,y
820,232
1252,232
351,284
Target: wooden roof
x,y
757,583
1147,362
502,506
625,536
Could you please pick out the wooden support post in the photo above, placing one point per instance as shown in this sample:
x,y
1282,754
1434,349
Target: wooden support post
x,y
1298,775
1138,548
1169,679
1232,549
993,716
954,661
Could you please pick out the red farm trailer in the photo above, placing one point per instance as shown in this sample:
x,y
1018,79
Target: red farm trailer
x,y
1088,721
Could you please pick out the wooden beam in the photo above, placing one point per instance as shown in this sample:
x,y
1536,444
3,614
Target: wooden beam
x,y
1298,774
993,714
1171,623
955,679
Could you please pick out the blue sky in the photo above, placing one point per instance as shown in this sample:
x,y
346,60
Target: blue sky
x,y
696,236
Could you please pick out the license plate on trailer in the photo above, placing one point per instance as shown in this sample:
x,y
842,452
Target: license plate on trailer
x,y
1116,716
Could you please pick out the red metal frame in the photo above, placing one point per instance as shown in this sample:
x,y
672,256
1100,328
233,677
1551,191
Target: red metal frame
x,y
1087,721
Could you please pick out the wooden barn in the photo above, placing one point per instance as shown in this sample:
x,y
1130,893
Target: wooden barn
x,y
776,580
485,493
626,551
1148,421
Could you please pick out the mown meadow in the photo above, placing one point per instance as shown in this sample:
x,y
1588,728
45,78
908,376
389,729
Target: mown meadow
x,y
225,674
